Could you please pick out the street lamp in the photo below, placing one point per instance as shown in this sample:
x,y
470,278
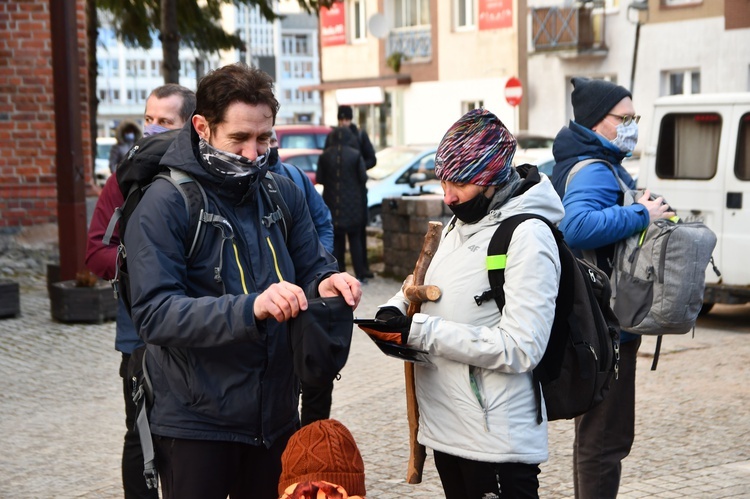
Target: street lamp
x,y
639,6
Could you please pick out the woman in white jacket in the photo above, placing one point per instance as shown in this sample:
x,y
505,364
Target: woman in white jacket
x,y
477,409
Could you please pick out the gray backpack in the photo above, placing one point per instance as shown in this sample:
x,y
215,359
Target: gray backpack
x,y
658,275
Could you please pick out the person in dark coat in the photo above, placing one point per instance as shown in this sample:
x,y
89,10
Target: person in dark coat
x,y
345,115
341,171
128,132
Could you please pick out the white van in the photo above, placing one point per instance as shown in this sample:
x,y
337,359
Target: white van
x,y
698,158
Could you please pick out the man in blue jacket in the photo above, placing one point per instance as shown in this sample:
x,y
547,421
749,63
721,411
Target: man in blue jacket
x,y
316,401
319,211
605,128
218,356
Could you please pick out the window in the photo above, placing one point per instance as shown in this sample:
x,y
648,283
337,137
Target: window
x,y
464,14
679,3
409,13
295,45
742,163
688,146
467,106
683,82
358,20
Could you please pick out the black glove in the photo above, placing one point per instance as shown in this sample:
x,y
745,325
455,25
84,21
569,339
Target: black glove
x,y
393,322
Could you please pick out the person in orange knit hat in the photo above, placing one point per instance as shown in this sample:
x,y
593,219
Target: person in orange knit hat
x,y
321,461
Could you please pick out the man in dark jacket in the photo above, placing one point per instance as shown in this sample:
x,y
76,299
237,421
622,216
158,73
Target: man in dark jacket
x,y
218,357
605,129
341,171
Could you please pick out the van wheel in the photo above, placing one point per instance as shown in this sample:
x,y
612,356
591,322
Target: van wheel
x,y
374,217
706,308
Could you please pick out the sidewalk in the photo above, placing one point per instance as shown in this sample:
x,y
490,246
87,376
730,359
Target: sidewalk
x,y
61,416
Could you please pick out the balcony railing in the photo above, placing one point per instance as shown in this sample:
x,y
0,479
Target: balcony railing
x,y
414,43
569,28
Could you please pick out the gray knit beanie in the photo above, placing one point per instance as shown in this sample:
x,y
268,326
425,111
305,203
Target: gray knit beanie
x,y
593,99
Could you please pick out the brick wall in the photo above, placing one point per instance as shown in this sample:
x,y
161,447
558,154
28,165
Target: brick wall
x,y
405,222
28,190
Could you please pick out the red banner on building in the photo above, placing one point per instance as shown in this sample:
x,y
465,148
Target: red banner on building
x,y
495,14
332,27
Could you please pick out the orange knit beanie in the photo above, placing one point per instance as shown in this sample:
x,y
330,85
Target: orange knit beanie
x,y
323,450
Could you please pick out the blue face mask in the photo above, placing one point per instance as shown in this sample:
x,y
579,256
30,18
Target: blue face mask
x,y
627,137
153,129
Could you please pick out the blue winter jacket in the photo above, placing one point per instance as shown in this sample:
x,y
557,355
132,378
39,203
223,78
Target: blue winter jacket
x,y
217,373
321,215
594,216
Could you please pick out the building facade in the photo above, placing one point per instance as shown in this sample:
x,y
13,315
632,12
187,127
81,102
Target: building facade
x,y
410,68
652,47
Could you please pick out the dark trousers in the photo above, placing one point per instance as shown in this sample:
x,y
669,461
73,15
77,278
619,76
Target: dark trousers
x,y
204,469
604,435
355,247
316,403
133,482
466,479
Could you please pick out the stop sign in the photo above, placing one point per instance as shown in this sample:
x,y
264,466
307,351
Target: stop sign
x,y
513,91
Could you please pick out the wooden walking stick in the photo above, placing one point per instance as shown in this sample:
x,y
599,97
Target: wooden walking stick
x,y
416,292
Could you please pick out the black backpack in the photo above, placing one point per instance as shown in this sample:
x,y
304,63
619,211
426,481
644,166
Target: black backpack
x,y
141,167
582,355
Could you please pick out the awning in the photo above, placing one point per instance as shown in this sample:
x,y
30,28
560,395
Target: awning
x,y
382,82
358,96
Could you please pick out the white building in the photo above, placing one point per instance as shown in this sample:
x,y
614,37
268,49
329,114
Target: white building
x,y
287,49
683,47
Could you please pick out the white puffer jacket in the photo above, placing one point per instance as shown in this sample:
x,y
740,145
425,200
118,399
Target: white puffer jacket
x,y
494,421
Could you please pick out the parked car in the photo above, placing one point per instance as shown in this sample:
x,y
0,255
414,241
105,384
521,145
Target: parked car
x,y
305,159
542,158
101,162
302,136
529,140
400,171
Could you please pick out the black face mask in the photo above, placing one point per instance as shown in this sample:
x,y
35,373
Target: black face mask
x,y
472,210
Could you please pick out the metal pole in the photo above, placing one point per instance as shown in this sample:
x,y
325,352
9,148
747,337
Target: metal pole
x,y
71,197
635,54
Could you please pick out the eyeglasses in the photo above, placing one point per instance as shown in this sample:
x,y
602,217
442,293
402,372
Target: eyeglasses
x,y
627,119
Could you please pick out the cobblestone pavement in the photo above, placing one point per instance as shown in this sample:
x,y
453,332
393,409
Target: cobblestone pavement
x,y
61,416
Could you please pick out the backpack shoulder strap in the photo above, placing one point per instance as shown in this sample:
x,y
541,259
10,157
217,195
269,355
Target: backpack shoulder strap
x,y
270,189
586,162
497,255
196,204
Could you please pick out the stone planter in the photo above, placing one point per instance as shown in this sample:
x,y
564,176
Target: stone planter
x,y
69,303
53,273
10,300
